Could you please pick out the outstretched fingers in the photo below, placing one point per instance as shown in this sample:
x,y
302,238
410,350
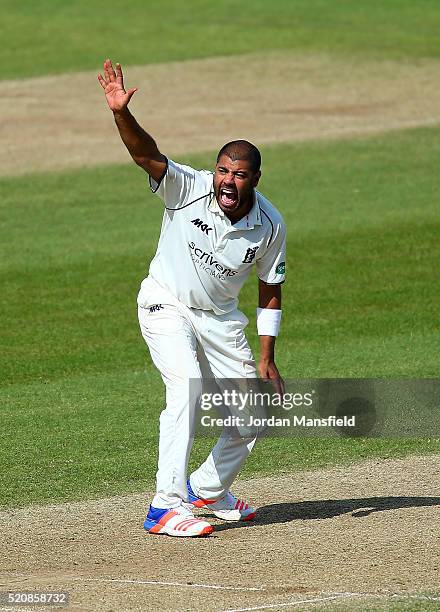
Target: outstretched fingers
x,y
106,74
109,72
110,76
119,75
102,81
113,85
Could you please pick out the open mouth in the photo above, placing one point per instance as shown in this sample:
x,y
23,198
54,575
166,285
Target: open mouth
x,y
228,197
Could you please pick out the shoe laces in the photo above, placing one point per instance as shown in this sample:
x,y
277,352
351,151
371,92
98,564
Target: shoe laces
x,y
227,502
184,510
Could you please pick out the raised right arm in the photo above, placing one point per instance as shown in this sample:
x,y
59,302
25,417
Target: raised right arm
x,y
139,143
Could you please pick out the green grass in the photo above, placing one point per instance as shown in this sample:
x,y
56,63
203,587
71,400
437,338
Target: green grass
x,y
54,36
80,399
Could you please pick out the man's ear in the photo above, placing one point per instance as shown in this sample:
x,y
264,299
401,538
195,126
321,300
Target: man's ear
x,y
256,178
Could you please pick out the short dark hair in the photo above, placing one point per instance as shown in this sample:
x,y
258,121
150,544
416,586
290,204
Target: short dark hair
x,y
244,150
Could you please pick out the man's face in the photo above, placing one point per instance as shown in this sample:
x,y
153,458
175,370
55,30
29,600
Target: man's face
x,y
234,183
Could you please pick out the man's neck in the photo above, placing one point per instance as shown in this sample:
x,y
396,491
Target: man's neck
x,y
241,212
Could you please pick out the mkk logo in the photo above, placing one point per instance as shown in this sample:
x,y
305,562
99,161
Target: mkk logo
x,y
201,225
156,307
250,255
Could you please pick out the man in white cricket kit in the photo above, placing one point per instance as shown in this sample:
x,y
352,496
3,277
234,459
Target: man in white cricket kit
x,y
215,227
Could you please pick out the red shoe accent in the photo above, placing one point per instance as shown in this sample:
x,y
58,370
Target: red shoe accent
x,y
200,503
183,526
250,516
161,522
207,530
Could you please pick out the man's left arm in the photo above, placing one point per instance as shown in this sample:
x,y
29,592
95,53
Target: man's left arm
x,y
269,299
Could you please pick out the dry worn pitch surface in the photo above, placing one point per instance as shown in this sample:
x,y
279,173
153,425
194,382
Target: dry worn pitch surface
x,y
358,536
63,121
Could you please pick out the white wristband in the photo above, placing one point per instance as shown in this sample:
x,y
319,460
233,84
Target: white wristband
x,y
268,321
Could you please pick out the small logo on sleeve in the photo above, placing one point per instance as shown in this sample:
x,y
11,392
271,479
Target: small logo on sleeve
x,y
250,255
281,268
155,308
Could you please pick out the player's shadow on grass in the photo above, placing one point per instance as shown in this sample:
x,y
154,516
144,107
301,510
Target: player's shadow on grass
x,y
329,508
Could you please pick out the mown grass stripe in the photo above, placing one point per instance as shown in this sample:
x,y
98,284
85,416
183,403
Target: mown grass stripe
x,y
81,399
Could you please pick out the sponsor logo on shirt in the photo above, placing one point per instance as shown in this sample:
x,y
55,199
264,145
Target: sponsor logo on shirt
x,y
250,255
209,263
281,268
201,225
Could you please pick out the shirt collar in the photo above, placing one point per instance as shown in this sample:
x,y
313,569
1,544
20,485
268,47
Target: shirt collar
x,y
249,221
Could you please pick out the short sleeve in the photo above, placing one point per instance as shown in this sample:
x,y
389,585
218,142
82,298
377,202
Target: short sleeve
x,y
271,266
178,185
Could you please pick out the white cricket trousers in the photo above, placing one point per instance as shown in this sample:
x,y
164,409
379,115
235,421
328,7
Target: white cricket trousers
x,y
184,344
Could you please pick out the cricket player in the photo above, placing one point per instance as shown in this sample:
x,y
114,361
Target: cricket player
x,y
215,227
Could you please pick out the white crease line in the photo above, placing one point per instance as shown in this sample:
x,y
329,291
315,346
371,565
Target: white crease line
x,y
293,603
182,584
424,597
389,595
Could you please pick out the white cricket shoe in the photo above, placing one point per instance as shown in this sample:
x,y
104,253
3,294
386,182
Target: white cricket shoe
x,y
228,507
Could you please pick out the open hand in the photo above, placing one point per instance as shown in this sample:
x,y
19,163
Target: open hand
x,y
113,85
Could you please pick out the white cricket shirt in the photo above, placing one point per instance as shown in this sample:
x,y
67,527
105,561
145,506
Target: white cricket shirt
x,y
201,258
